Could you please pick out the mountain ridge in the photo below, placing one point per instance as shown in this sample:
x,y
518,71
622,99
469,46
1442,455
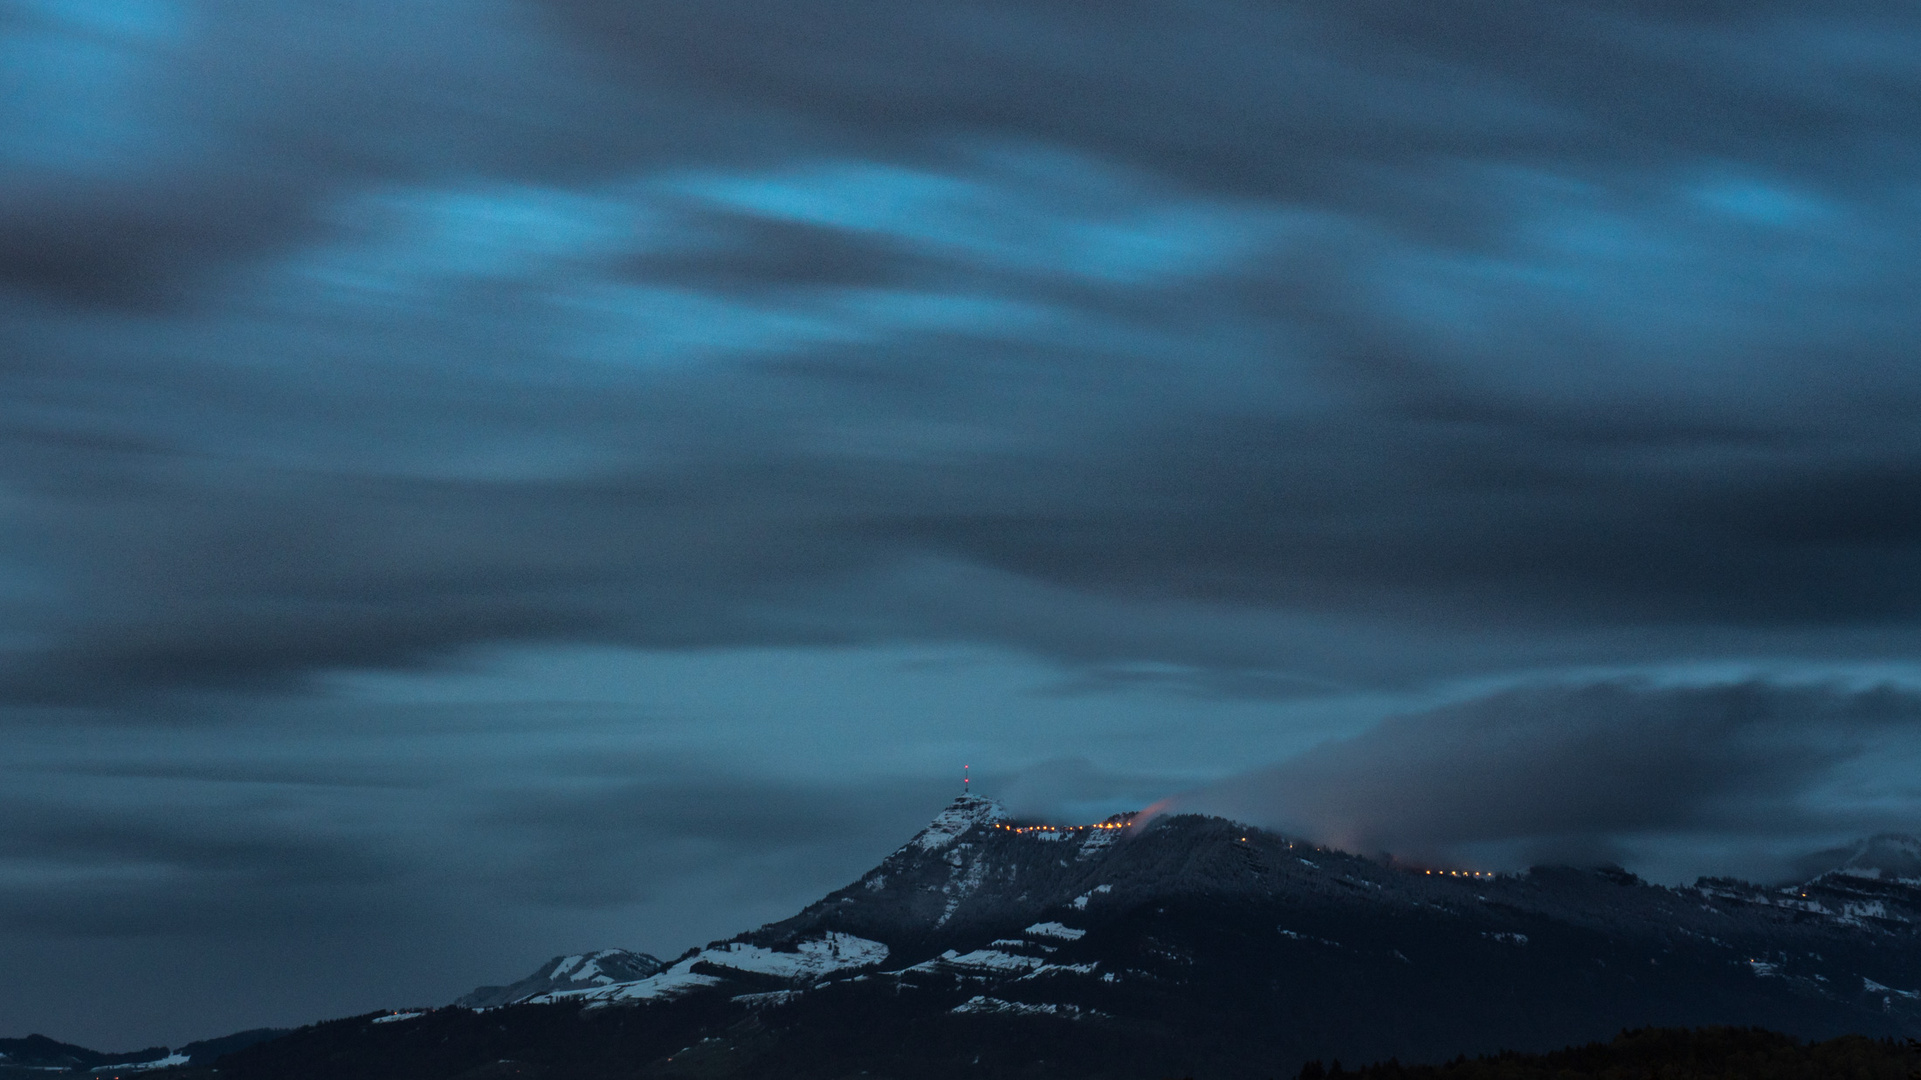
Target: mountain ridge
x,y
603,967
1177,945
1888,855
38,1055
967,893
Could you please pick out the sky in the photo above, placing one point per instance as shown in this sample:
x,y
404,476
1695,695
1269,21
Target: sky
x,y
483,479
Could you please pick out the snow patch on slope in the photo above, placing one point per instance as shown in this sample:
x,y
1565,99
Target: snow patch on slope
x,y
961,884
1080,902
167,1062
1856,910
585,968
1061,969
770,998
981,1003
991,960
977,962
810,961
1873,987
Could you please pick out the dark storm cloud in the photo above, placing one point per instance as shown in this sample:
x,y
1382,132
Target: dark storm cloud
x,y
1564,772
243,577
134,249
744,253
1301,103
1372,386
250,588
1512,513
80,872
258,588
261,861
161,144
1296,99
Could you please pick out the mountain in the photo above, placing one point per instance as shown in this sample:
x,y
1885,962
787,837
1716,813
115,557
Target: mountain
x,y
1884,857
567,973
37,1056
1184,945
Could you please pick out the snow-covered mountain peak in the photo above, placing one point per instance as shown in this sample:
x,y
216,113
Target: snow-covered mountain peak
x,y
580,971
961,815
1139,950
1197,919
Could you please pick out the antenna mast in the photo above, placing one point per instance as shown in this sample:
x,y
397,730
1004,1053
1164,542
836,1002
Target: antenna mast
x,y
966,781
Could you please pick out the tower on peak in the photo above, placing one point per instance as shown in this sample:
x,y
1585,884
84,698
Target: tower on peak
x,y
966,781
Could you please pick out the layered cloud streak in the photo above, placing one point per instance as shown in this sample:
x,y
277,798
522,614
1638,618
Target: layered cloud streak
x,y
1676,778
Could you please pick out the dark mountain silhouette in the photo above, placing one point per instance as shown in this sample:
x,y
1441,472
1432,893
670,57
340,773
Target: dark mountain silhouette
x,y
38,1054
1186,945
40,1057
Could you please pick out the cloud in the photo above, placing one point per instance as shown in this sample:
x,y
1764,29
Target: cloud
x,y
1531,337
744,253
1586,771
643,832
1073,789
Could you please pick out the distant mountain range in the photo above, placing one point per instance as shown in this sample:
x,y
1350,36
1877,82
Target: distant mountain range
x,y
39,1056
566,974
1187,945
1893,856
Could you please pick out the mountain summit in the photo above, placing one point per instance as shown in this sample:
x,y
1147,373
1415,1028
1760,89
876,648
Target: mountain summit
x,y
954,822
583,971
1190,945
